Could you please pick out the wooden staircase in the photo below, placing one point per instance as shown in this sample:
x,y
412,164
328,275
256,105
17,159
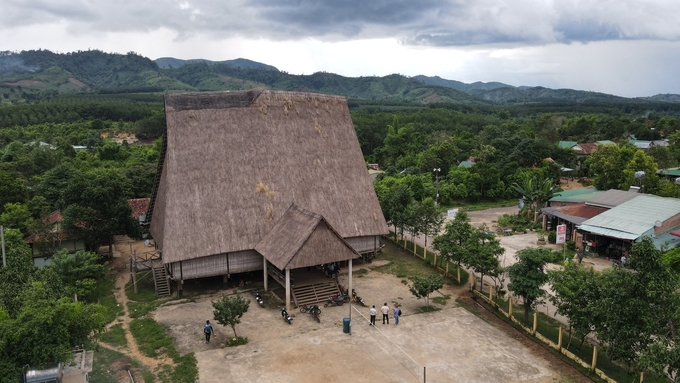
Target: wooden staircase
x,y
314,293
160,281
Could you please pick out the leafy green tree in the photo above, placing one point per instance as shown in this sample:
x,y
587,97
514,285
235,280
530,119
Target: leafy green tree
x,y
607,164
18,274
12,190
641,163
394,199
422,287
229,310
535,191
16,216
79,271
527,276
453,244
96,208
576,295
484,252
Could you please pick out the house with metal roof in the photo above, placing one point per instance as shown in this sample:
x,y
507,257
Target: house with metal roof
x,y
628,222
574,196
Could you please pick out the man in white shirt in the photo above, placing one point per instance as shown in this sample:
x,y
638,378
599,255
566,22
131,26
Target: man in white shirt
x,y
386,313
373,314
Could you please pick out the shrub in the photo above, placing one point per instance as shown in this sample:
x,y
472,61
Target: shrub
x,y
552,237
232,342
571,245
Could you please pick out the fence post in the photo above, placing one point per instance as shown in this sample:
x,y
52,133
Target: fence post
x,y
491,293
510,306
472,281
535,323
424,252
559,339
415,250
642,377
459,275
434,263
447,269
592,367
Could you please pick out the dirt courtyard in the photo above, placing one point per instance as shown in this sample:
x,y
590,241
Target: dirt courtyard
x,y
453,344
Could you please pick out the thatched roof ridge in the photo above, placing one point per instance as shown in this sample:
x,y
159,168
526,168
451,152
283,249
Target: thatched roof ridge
x,y
293,231
233,168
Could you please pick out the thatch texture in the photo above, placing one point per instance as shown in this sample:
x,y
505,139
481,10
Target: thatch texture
x,y
302,238
232,170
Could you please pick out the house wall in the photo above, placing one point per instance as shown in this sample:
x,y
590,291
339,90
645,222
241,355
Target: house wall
x,y
70,245
365,244
220,264
668,224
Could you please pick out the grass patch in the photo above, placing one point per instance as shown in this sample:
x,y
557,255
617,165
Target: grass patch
x,y
238,341
441,300
145,300
103,294
359,273
115,336
101,366
427,309
405,265
151,338
153,342
481,205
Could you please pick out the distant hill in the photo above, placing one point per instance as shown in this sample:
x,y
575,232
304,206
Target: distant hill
x,y
171,62
34,75
438,81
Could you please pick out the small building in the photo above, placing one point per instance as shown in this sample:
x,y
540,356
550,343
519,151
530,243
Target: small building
x,y
44,245
573,196
613,232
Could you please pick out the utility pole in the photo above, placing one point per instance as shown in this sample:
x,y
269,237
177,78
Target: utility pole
x,y
436,178
2,238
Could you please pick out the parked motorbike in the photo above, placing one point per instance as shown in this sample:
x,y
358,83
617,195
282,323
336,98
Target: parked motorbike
x,y
357,299
286,316
313,310
336,300
258,298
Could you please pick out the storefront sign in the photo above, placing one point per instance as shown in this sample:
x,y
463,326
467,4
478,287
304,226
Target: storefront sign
x,y
561,234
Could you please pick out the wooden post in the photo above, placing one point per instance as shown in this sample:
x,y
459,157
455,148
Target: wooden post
x,y
491,293
134,281
642,377
287,289
472,281
424,252
264,261
559,339
459,275
510,306
592,367
415,248
434,263
447,269
535,323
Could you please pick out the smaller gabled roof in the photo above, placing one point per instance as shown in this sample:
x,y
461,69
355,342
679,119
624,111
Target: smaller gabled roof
x,y
466,164
576,195
566,144
670,172
585,148
301,238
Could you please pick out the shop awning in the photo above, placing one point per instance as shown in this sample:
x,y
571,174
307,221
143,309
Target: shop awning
x,y
609,232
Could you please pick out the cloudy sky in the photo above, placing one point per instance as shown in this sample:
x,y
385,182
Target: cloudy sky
x,y
623,47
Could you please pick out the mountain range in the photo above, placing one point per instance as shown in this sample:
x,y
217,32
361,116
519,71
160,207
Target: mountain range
x,y
38,74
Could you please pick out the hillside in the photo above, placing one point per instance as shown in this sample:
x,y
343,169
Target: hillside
x,y
171,62
30,76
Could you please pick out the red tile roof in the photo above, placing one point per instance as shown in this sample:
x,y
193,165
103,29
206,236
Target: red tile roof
x,y
587,147
139,206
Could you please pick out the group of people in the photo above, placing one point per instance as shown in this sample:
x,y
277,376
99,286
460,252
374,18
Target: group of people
x,y
385,310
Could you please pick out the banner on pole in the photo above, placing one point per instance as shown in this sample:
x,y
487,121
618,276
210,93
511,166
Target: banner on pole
x,y
561,234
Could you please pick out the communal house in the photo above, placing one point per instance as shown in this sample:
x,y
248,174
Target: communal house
x,y
260,180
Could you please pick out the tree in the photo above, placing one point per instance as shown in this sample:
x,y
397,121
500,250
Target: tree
x,y
16,216
649,181
422,287
452,245
527,276
79,271
432,218
534,190
577,292
484,250
96,208
229,310
11,189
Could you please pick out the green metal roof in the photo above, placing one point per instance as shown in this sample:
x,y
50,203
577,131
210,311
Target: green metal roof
x,y
466,164
576,195
670,172
566,144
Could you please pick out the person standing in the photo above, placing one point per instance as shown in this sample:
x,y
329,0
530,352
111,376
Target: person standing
x,y
386,313
397,313
373,314
207,330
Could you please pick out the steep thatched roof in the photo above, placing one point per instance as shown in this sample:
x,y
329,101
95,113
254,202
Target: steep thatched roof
x,y
236,161
302,238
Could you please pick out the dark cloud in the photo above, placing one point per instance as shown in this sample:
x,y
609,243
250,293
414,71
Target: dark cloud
x,y
419,22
